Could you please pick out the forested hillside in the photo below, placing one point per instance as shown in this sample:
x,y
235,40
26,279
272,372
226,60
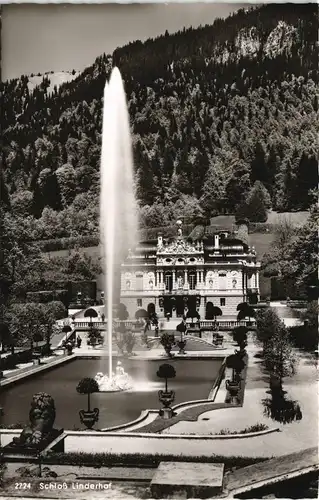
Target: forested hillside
x,y
213,110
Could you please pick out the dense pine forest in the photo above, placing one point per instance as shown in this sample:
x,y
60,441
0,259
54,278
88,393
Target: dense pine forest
x,y
220,115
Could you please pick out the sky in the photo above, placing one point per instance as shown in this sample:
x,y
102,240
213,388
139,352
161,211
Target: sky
x,y
38,38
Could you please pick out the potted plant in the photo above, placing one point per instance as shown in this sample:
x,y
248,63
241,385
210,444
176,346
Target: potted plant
x,y
168,342
182,328
69,348
37,337
166,397
240,334
94,336
120,342
88,386
129,341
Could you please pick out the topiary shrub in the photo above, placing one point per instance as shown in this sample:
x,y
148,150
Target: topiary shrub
x,y
129,342
168,342
166,371
235,363
87,386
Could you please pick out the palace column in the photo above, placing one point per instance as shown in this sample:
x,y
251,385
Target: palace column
x,y
245,283
197,277
174,278
257,280
158,277
185,277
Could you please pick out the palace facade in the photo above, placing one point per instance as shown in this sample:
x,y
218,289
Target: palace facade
x,y
176,275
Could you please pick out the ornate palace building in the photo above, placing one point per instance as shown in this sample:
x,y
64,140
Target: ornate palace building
x,y
176,275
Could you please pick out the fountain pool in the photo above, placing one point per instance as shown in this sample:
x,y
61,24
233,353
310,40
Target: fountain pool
x,y
194,380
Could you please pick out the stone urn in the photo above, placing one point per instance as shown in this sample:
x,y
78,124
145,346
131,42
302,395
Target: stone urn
x,y
181,344
89,417
69,348
233,389
166,398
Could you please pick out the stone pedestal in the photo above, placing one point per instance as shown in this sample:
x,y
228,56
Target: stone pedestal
x,y
196,480
166,413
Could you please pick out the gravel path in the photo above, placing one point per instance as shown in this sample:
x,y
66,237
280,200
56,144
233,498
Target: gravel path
x,y
293,437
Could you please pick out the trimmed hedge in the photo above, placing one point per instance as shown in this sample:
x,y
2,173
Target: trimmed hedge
x,y
261,227
68,243
17,425
152,233
142,459
45,296
94,240
304,337
12,360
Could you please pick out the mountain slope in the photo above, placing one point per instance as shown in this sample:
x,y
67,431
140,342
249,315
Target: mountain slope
x,y
57,78
212,110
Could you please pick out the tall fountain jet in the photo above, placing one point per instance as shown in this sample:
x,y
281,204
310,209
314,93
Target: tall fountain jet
x,y
118,216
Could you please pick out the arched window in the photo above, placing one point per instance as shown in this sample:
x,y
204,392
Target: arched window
x,y
222,278
139,281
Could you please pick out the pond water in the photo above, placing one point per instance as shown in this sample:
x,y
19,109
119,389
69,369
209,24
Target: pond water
x,y
194,380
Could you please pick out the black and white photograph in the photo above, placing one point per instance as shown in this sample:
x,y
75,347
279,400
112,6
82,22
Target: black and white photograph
x,y
159,251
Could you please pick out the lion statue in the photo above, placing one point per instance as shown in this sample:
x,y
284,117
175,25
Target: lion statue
x,y
42,417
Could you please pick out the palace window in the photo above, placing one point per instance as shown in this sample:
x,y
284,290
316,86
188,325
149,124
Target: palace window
x,y
139,303
222,302
168,281
192,280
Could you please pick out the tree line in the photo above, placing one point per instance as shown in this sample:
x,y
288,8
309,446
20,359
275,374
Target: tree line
x,y
214,110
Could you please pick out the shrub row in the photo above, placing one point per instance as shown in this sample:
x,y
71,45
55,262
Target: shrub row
x,y
152,233
304,337
253,428
69,243
12,360
261,227
94,240
45,296
145,234
17,425
142,459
